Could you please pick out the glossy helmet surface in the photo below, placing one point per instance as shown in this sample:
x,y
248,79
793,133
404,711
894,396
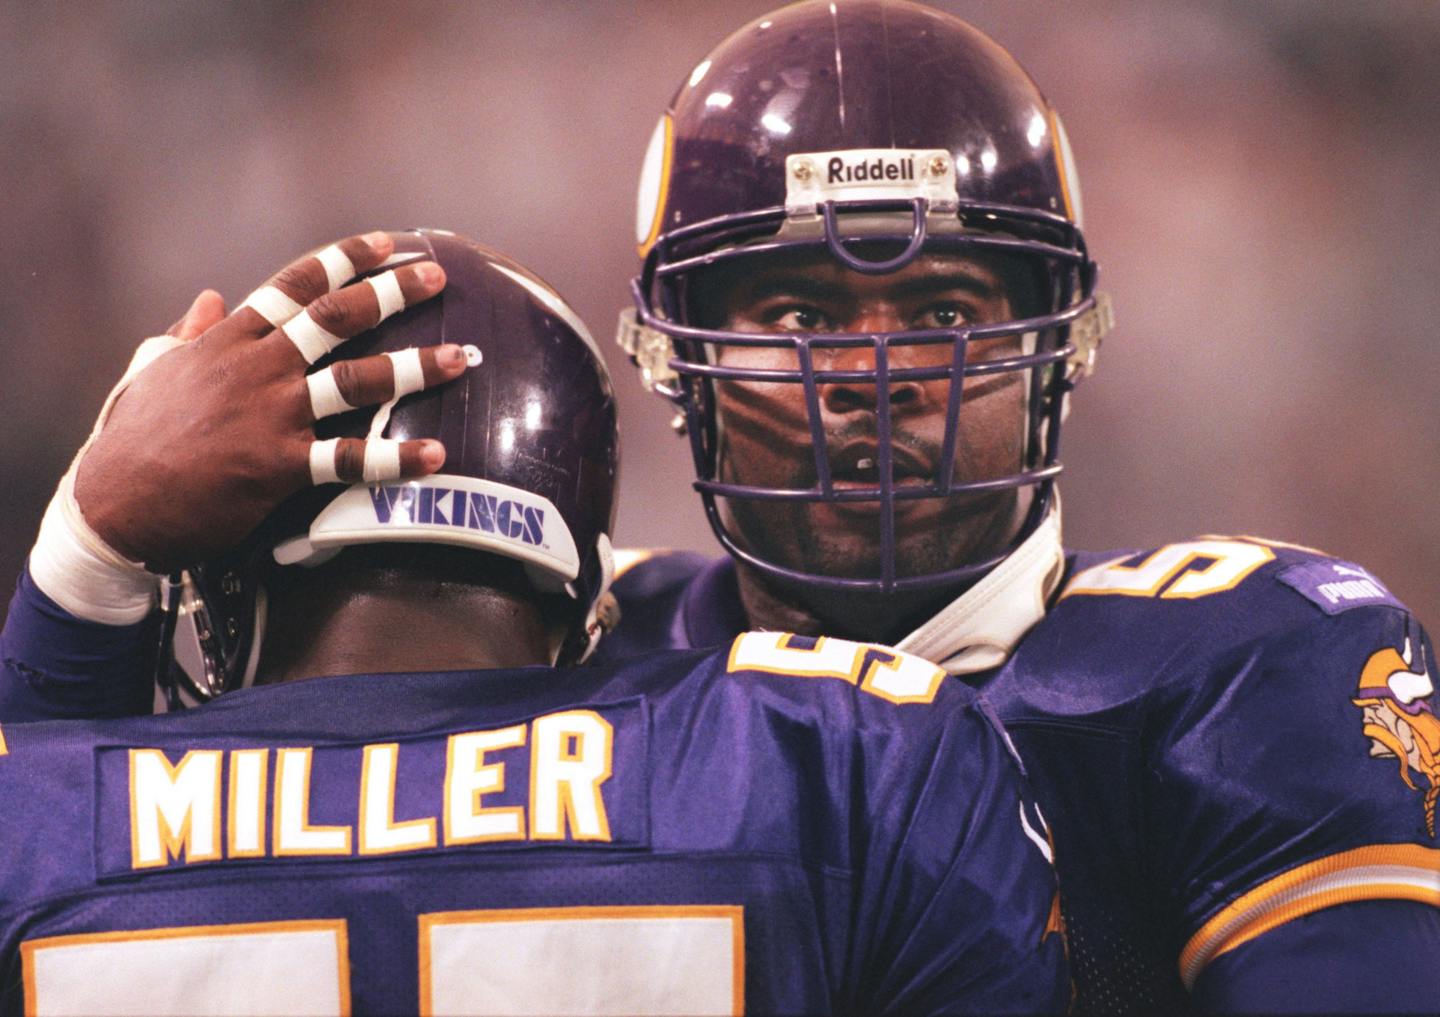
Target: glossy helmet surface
x,y
530,471
854,128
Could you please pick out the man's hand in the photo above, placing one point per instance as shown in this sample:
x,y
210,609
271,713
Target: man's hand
x,y
207,310
212,435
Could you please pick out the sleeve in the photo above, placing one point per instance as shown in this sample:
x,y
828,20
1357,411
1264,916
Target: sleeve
x,y
958,907
54,666
1366,957
1297,798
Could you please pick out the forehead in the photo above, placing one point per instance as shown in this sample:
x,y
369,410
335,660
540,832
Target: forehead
x,y
818,274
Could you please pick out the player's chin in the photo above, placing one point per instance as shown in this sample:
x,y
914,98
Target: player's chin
x,y
932,535
850,560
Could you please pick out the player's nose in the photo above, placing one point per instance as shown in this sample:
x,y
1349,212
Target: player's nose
x,y
857,392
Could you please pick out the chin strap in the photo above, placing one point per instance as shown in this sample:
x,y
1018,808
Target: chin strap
x,y
603,613
978,630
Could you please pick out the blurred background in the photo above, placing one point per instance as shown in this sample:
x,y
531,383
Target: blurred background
x,y
1260,188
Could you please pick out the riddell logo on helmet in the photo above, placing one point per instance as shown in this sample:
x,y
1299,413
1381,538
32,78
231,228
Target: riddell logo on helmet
x,y
408,505
839,171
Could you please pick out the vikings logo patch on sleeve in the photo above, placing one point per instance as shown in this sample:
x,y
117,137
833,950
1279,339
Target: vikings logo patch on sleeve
x,y
1396,693
1335,586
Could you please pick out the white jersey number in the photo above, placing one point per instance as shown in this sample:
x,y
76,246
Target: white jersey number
x,y
592,960
881,671
1177,571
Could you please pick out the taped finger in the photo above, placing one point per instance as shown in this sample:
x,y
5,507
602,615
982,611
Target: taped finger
x,y
350,459
339,269
388,294
271,303
382,460
345,313
381,379
409,372
323,456
285,294
309,338
373,460
326,399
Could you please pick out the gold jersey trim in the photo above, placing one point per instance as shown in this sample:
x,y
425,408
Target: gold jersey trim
x,y
1376,872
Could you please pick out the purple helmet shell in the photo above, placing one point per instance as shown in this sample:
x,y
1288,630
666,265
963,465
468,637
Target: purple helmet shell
x,y
532,460
538,412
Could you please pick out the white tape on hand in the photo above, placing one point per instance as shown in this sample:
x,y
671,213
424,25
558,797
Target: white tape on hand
x,y
70,563
339,269
310,339
322,461
382,460
145,354
388,294
82,573
325,397
272,304
409,374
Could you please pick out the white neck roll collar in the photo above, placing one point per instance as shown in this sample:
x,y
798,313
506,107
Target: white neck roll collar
x,y
979,629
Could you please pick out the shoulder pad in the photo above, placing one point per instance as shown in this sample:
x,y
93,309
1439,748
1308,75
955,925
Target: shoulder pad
x,y
1334,586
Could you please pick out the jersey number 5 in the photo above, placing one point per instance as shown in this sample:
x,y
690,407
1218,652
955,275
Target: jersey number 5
x,y
1175,572
879,670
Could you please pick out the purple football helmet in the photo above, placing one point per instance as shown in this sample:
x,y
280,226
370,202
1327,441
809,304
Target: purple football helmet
x,y
530,473
876,131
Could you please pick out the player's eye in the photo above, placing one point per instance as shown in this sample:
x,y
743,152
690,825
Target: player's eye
x,y
942,315
797,318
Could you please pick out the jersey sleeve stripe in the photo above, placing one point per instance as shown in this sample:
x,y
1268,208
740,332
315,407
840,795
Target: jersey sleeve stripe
x,y
1377,872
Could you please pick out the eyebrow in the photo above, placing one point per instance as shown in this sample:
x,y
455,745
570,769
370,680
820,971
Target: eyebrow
x,y
807,287
797,284
927,285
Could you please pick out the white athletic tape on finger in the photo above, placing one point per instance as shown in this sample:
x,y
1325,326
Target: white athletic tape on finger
x,y
381,420
325,397
339,269
409,374
322,461
272,304
409,377
310,339
387,292
382,460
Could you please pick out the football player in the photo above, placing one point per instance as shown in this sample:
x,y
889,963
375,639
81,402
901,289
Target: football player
x,y
866,290
359,820
1234,740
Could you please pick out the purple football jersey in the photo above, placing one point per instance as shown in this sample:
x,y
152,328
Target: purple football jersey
x,y
1229,738
787,826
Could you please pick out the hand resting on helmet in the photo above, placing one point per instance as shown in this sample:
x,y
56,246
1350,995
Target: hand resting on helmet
x,y
213,426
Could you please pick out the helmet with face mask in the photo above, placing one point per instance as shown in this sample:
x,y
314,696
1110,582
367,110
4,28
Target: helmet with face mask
x,y
530,471
876,134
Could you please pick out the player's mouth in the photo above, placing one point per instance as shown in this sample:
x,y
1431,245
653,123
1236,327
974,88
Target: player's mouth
x,y
857,467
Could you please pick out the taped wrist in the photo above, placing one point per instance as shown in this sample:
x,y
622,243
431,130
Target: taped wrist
x,y
70,563
84,575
